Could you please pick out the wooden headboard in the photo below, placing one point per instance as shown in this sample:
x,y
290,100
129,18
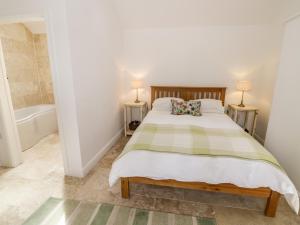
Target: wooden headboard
x,y
188,93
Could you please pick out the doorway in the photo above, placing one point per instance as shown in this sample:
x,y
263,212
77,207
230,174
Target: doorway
x,y
28,112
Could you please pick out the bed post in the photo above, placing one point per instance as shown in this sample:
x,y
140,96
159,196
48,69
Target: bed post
x,y
125,191
272,204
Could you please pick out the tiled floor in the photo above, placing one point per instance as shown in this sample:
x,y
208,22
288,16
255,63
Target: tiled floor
x,y
24,188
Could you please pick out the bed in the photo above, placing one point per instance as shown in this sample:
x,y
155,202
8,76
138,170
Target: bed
x,y
215,174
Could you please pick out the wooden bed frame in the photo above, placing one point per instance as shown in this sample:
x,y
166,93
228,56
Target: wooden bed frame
x,y
190,93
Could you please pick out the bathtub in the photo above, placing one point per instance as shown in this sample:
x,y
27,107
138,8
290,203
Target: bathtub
x,y
34,123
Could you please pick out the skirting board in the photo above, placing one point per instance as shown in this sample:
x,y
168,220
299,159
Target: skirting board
x,y
92,163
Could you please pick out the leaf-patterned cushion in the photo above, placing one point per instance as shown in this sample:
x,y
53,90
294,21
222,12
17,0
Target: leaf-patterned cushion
x,y
186,107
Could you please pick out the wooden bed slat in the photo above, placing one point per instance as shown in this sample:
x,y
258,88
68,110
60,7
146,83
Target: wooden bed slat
x,y
188,93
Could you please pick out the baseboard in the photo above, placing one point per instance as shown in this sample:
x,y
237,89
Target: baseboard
x,y
91,164
260,140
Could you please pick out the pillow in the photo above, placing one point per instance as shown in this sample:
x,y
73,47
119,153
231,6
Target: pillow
x,y
211,105
164,104
183,107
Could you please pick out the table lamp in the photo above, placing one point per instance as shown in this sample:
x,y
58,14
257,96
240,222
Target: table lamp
x,y
137,84
243,86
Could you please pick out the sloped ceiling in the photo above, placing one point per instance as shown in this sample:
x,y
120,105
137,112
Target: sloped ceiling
x,y
139,14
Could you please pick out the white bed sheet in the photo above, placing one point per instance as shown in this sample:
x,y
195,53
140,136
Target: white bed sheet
x,y
213,170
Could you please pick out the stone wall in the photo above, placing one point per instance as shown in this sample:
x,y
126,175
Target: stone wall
x,y
27,65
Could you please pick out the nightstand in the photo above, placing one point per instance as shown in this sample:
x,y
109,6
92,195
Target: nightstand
x,y
236,112
140,109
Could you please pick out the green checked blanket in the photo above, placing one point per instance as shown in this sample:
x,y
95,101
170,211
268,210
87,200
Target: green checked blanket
x,y
194,140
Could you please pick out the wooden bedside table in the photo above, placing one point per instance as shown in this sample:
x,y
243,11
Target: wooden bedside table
x,y
234,111
129,106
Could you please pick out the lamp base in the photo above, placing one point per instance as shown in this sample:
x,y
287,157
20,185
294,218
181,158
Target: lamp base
x,y
242,101
137,96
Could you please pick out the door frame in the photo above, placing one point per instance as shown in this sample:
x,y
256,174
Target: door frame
x,y
11,156
10,153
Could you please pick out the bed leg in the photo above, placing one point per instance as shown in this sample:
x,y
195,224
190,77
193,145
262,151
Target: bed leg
x,y
272,204
125,191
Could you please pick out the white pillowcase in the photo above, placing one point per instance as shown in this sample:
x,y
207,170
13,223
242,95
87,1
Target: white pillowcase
x,y
211,105
164,104
207,105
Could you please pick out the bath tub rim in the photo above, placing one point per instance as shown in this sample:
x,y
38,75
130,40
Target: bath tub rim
x,y
46,108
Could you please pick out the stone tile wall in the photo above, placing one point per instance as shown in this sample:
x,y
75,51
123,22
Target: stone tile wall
x,y
42,58
27,65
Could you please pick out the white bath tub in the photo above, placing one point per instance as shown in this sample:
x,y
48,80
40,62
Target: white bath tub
x,y
34,123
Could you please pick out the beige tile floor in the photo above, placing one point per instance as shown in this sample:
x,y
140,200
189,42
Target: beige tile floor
x,y
24,188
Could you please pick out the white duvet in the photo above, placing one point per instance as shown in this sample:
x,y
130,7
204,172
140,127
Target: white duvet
x,y
213,170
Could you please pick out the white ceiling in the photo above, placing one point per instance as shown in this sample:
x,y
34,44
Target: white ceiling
x,y
139,14
36,27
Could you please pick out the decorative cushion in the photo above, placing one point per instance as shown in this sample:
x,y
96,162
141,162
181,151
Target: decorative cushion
x,y
186,107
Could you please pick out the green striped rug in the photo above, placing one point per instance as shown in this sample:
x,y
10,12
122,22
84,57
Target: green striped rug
x,y
70,212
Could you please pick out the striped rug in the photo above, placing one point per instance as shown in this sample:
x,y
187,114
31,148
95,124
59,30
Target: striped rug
x,y
70,212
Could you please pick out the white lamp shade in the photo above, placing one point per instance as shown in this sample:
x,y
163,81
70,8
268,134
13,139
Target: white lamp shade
x,y
136,84
244,85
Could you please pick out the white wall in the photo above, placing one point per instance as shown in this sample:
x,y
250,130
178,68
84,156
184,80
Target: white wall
x,y
96,42
283,134
206,56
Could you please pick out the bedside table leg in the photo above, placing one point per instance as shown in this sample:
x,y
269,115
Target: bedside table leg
x,y
254,123
235,115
